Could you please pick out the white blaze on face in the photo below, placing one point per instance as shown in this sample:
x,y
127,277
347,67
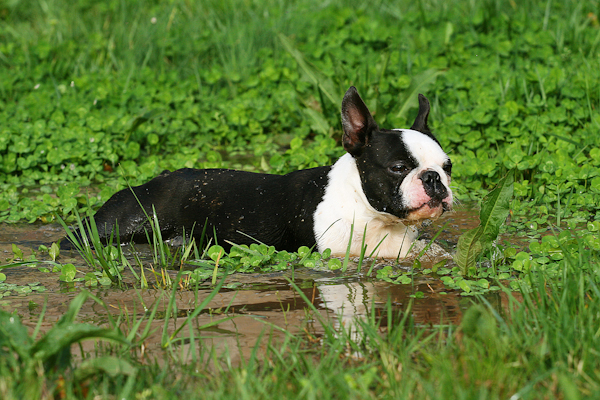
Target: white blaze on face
x,y
430,157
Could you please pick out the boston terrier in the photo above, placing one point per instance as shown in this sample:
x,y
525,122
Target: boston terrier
x,y
388,181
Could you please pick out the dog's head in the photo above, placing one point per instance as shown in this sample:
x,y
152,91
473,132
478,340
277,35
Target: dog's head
x,y
404,172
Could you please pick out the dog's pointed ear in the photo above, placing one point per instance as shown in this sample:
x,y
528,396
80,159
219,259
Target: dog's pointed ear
x,y
357,121
421,120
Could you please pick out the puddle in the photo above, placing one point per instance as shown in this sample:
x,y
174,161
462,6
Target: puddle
x,y
260,304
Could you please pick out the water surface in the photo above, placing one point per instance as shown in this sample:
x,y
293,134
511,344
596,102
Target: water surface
x,y
260,304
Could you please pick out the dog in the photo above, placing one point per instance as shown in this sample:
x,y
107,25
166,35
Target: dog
x,y
386,183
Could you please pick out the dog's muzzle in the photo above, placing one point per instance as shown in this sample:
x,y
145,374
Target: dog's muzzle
x,y
433,186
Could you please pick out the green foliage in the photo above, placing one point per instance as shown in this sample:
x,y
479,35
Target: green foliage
x,y
257,258
29,359
8,289
98,95
107,260
545,348
493,214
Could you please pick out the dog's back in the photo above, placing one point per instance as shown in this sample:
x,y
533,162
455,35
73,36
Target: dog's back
x,y
240,207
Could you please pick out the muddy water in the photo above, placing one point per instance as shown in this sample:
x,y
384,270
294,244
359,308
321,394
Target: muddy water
x,y
260,304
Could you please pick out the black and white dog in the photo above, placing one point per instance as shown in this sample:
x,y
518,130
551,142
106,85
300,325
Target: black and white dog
x,y
388,181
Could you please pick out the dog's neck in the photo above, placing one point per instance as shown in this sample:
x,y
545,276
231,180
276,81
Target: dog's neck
x,y
345,204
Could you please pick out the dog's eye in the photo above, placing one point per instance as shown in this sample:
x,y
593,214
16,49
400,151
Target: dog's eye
x,y
447,167
398,168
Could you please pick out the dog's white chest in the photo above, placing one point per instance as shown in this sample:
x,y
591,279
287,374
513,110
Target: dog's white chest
x,y
345,205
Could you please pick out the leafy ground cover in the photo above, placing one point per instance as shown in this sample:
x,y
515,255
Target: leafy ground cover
x,y
98,95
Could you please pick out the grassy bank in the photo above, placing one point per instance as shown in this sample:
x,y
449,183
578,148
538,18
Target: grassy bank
x,y
543,344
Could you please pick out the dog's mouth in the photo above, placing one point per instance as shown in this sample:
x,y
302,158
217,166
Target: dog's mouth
x,y
431,209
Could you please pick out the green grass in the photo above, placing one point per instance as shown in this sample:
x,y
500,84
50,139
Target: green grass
x,y
542,344
121,98
96,96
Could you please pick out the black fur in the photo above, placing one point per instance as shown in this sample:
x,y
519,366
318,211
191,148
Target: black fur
x,y
273,209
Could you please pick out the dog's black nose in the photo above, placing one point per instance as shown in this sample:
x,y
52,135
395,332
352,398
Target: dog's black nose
x,y
432,183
